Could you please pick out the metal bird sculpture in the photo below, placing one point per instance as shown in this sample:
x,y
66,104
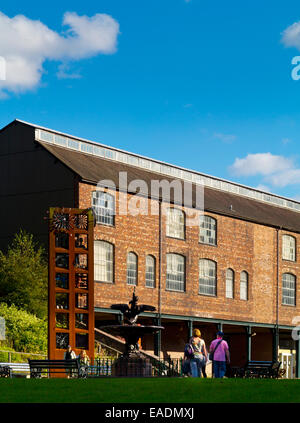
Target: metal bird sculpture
x,y
131,312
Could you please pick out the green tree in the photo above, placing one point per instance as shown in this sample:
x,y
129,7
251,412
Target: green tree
x,y
24,275
24,331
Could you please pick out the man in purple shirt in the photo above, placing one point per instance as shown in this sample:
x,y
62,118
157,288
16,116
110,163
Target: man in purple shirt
x,y
221,355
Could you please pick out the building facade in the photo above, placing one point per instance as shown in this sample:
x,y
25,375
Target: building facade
x,y
236,268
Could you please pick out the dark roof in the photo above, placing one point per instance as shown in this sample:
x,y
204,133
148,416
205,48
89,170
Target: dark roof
x,y
93,169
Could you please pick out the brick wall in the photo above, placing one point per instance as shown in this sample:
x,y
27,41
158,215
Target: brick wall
x,y
241,246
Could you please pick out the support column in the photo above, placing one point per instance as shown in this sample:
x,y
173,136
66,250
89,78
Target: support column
x,y
275,343
220,327
157,338
190,329
297,345
248,342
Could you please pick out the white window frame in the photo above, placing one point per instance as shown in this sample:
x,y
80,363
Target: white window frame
x,y
288,247
103,261
132,269
207,277
289,289
244,285
175,224
175,275
229,283
150,271
104,207
208,230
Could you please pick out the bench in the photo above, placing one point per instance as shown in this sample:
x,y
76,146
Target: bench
x,y
69,367
262,369
14,369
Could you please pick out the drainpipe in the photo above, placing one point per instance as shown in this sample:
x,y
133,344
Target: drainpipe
x,y
158,346
276,328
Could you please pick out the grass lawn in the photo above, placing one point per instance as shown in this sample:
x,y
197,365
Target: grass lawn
x,y
148,390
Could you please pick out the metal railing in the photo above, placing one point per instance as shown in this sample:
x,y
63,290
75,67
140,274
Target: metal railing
x,y
155,367
18,356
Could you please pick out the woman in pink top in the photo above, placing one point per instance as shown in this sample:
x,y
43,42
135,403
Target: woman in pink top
x,y
220,349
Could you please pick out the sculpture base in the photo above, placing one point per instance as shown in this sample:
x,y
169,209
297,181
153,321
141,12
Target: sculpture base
x,y
132,365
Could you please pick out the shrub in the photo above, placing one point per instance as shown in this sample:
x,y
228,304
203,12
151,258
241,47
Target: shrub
x,y
24,331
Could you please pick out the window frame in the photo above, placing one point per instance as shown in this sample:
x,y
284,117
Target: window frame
x,y
294,290
215,244
103,241
232,281
154,272
132,253
285,236
207,277
183,283
95,207
168,223
247,285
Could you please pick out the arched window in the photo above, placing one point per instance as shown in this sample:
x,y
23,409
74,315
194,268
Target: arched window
x,y
103,261
104,207
229,283
150,272
288,289
244,286
208,230
288,247
132,262
175,223
207,277
175,272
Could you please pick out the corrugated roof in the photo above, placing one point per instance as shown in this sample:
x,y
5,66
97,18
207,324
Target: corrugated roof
x,y
94,169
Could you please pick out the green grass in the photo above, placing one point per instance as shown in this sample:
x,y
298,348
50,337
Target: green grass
x,y
151,390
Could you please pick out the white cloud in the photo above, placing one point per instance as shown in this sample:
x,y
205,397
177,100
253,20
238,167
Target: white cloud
x,y
26,44
287,177
279,171
260,164
291,36
64,72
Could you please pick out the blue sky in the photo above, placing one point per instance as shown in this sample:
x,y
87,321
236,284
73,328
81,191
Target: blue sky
x,y
204,85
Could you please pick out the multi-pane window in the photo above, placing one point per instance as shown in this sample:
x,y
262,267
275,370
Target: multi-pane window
x,y
208,230
288,289
175,223
103,261
288,248
229,283
207,277
150,272
244,286
104,207
132,268
175,272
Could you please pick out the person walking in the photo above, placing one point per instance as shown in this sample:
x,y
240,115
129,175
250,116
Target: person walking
x,y
219,354
187,357
69,355
200,354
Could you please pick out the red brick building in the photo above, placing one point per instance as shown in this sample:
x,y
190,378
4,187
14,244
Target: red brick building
x,y
237,269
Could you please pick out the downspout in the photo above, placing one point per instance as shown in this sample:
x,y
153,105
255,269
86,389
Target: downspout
x,y
160,273
277,300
